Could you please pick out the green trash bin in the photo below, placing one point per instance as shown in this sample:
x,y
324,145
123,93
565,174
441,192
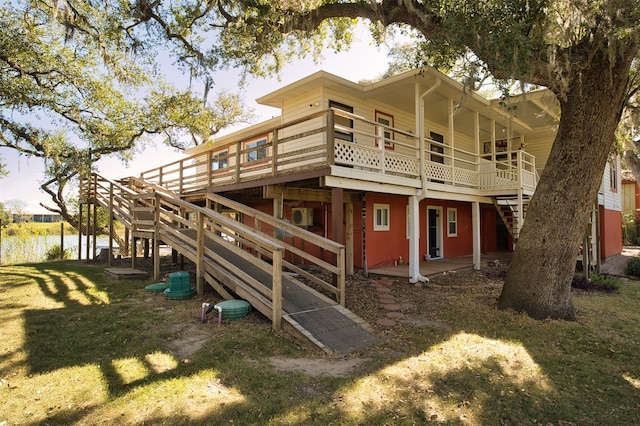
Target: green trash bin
x,y
179,281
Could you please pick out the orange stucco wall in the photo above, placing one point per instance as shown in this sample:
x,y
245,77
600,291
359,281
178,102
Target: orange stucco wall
x,y
610,232
321,226
488,242
386,247
459,245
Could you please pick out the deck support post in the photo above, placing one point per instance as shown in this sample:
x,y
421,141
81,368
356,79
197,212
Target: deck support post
x,y
276,320
337,224
278,200
95,221
200,255
110,258
134,252
126,243
475,228
349,239
89,204
156,239
80,225
414,239
337,215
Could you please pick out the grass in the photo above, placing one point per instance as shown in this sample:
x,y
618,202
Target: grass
x,y
77,348
37,228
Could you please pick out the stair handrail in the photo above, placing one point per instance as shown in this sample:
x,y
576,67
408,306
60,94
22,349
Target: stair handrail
x,y
273,249
152,201
152,186
338,270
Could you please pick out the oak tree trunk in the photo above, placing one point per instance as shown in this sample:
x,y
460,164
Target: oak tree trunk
x,y
539,278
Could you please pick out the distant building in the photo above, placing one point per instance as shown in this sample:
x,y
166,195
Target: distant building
x,y
38,217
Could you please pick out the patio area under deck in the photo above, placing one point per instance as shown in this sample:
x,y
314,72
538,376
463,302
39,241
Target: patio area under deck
x,y
431,268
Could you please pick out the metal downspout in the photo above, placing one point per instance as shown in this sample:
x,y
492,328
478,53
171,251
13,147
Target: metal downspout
x,y
422,193
414,258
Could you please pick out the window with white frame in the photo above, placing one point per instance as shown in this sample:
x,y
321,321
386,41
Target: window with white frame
x,y
452,222
341,122
613,173
220,160
256,150
387,121
381,217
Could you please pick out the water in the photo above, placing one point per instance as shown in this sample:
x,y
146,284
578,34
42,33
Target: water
x,y
20,249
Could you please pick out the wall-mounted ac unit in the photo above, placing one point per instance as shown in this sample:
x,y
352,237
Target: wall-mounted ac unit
x,y
302,216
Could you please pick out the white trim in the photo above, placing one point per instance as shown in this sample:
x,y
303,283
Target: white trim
x,y
475,220
450,222
381,222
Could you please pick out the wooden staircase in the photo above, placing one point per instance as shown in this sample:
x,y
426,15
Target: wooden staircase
x,y
513,211
242,261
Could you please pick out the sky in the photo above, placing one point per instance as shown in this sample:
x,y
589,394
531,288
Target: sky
x,y
362,62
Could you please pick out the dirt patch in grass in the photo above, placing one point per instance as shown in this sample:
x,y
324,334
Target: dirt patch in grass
x,y
186,340
318,366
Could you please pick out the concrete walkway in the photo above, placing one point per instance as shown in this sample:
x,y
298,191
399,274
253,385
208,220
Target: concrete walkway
x,y
615,265
430,268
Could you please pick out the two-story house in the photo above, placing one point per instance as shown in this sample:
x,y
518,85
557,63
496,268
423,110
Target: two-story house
x,y
402,170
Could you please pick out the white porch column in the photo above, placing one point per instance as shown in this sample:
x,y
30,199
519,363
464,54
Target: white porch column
x,y
414,240
475,219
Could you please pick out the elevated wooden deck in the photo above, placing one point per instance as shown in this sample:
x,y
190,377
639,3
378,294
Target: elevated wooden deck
x,y
318,147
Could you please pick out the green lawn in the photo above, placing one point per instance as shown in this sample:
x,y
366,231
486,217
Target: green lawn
x,y
77,348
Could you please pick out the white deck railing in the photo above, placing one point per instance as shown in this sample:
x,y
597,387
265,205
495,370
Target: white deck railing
x,y
337,138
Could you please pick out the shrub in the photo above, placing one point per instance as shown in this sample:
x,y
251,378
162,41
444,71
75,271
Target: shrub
x,y
606,282
597,282
633,267
54,253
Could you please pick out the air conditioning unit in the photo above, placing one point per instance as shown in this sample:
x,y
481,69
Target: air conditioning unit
x,y
302,216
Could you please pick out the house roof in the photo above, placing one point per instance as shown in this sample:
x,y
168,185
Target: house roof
x,y
532,112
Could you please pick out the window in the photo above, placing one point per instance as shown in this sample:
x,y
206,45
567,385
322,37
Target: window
x,y
613,174
343,122
220,160
381,217
256,150
452,222
437,147
387,121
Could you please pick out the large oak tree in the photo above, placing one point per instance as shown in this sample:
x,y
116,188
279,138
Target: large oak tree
x,y
580,49
71,93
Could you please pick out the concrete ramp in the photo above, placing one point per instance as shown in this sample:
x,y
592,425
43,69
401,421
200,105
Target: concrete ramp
x,y
306,313
334,329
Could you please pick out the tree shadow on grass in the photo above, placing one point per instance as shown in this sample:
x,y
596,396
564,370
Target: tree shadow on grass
x,y
478,373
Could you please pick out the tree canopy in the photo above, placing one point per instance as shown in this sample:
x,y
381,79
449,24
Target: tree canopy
x,y
71,92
